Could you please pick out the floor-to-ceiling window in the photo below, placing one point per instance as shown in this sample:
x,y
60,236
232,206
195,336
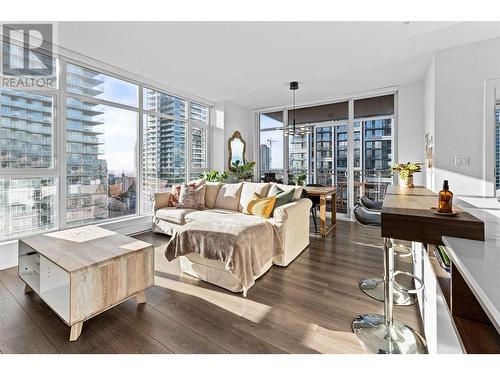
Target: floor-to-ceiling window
x,y
164,142
73,155
101,146
199,116
324,155
373,129
175,136
28,182
271,147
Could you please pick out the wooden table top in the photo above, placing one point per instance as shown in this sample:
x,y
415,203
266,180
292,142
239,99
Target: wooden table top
x,y
320,190
82,247
407,215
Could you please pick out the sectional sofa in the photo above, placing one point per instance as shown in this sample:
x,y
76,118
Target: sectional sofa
x,y
290,220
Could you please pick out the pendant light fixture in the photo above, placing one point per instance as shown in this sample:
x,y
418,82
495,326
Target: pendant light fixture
x,y
293,129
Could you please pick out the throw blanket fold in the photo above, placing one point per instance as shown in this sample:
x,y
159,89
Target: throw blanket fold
x,y
243,243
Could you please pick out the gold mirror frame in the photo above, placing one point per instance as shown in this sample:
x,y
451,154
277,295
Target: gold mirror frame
x,y
236,135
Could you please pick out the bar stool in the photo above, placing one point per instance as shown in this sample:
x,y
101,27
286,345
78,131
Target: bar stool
x,y
381,333
374,287
370,204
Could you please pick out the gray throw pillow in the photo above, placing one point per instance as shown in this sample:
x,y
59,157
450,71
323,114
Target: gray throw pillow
x,y
192,197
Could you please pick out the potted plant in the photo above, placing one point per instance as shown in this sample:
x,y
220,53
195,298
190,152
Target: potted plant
x,y
299,179
406,172
214,176
242,171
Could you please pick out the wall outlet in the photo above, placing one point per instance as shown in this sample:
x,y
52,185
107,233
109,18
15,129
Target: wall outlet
x,y
462,160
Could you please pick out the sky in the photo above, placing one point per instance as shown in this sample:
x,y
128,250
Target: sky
x,y
273,139
120,128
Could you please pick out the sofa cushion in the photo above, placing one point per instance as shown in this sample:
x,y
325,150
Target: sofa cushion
x,y
262,207
210,214
249,188
192,197
282,197
173,214
229,196
211,191
296,194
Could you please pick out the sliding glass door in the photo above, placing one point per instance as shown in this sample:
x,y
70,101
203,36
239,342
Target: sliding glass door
x,y
352,150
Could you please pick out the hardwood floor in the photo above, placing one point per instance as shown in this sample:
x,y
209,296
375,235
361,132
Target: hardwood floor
x,y
306,307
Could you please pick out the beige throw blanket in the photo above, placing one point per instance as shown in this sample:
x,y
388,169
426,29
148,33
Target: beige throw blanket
x,y
243,243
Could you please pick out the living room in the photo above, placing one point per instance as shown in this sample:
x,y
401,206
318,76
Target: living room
x,y
273,186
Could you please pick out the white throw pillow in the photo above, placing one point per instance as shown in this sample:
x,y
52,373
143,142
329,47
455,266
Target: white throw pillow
x,y
249,188
211,191
228,197
297,193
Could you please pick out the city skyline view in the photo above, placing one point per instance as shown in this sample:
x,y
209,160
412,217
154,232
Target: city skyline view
x,y
101,151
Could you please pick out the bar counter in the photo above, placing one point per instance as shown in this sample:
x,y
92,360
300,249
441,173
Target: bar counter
x,y
459,309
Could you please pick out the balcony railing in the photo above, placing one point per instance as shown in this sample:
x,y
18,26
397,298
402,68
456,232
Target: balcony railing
x,y
372,183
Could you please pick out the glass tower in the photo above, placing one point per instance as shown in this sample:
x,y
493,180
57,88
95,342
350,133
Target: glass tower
x,y
87,174
27,205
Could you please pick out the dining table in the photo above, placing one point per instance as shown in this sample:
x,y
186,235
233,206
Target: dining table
x,y
323,192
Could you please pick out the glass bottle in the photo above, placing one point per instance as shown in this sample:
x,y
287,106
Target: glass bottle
x,y
445,199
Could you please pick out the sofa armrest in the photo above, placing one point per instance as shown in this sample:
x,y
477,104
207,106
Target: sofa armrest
x,y
295,208
161,200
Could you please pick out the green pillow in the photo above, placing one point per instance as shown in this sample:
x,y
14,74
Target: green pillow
x,y
282,197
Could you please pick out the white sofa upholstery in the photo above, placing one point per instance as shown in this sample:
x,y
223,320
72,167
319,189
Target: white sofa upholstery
x,y
291,221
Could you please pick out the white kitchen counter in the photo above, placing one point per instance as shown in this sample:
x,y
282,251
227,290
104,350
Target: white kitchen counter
x,y
478,261
479,265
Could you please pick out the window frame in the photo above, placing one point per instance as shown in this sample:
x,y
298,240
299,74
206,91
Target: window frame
x,y
97,101
350,130
59,132
194,124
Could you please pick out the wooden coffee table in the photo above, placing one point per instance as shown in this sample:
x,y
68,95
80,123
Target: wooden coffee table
x,y
84,271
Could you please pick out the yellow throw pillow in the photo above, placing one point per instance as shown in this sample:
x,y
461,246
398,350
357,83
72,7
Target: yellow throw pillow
x,y
262,207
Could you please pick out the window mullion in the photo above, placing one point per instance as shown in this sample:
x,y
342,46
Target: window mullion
x,y
62,147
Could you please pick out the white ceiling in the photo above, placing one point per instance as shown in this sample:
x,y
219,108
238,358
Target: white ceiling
x,y
251,63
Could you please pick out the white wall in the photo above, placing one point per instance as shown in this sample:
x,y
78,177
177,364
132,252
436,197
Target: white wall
x,y
229,118
429,113
410,131
461,75
217,145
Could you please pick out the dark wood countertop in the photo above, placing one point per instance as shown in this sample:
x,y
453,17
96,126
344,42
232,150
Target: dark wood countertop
x,y
407,215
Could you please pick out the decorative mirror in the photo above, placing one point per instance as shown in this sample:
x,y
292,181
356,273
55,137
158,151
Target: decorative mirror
x,y
236,149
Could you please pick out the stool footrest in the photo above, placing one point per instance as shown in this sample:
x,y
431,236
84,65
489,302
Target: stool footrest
x,y
398,286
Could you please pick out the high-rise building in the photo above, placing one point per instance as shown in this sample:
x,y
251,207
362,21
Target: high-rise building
x,y
26,141
265,157
198,148
164,159
26,130
377,138
87,171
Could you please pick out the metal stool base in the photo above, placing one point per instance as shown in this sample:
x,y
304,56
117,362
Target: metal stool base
x,y
374,288
397,338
